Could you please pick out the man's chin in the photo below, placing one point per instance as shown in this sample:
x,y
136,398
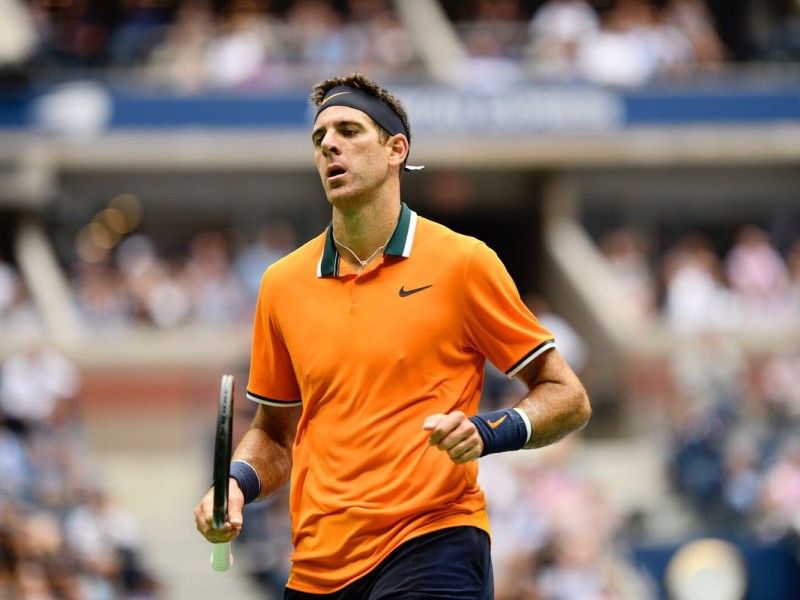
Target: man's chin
x,y
338,193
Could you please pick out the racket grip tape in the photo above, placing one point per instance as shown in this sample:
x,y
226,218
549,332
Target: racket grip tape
x,y
221,556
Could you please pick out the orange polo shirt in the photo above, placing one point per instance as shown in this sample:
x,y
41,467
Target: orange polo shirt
x,y
369,356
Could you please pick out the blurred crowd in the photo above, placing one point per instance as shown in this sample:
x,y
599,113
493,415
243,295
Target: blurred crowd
x,y
62,536
623,43
214,281
700,286
193,45
734,403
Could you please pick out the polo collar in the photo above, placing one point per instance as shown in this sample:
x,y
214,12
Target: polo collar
x,y
399,244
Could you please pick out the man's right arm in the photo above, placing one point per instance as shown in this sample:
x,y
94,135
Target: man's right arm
x,y
267,447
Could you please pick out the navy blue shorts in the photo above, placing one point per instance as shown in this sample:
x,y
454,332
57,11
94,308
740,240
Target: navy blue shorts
x,y
450,564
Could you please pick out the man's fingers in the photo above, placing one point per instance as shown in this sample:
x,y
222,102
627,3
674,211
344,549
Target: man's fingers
x,y
441,426
431,424
455,434
235,505
203,516
464,451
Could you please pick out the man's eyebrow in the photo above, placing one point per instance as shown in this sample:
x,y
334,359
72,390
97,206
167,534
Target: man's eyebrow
x,y
336,124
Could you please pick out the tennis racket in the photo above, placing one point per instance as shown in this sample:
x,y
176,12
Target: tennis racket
x,y
221,557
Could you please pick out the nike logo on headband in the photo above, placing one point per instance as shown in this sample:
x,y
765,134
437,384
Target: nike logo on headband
x,y
332,96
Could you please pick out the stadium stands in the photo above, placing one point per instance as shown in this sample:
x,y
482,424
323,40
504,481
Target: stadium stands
x,y
633,162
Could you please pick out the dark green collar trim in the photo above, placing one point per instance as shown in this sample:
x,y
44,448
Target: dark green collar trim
x,y
399,240
399,244
329,262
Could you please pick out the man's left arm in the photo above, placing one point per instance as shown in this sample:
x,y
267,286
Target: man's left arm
x,y
555,405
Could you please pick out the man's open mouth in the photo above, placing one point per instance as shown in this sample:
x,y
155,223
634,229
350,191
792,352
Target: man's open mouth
x,y
335,171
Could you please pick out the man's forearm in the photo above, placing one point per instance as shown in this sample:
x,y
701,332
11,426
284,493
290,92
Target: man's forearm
x,y
267,447
554,410
556,403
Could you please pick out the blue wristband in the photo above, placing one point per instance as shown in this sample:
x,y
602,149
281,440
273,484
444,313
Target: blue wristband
x,y
501,430
247,478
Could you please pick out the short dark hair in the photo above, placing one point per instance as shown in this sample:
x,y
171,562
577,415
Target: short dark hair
x,y
360,82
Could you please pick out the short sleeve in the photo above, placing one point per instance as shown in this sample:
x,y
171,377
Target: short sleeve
x,y
497,322
272,376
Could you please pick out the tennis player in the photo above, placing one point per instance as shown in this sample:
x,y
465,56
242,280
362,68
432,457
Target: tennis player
x,y
368,355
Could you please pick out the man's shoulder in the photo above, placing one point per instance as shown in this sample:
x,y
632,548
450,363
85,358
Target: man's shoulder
x,y
439,244
299,260
439,233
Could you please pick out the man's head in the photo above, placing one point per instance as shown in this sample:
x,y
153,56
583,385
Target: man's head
x,y
360,136
356,91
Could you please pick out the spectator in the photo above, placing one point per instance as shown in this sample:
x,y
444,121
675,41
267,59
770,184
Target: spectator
x,y
390,47
556,31
138,27
275,240
60,458
317,37
779,383
694,21
780,499
671,49
741,486
179,60
783,41
618,54
102,537
103,298
487,66
242,53
217,296
759,279
33,382
628,257
696,298
558,533
16,466
167,299
52,545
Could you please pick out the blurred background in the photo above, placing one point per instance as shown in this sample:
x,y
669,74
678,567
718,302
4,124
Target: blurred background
x,y
633,162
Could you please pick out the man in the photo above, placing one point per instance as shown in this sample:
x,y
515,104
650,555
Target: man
x,y
368,356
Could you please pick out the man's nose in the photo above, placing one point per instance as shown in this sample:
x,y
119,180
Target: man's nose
x,y
329,144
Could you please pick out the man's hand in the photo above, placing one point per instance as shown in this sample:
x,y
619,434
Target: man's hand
x,y
455,434
233,526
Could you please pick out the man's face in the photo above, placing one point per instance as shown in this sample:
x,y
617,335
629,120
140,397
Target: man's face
x,y
351,160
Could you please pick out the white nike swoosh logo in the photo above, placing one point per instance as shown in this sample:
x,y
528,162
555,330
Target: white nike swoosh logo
x,y
331,97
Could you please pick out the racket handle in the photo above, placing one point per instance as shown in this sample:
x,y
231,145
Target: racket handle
x,y
221,557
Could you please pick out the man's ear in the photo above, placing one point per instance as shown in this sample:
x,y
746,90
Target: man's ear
x,y
398,149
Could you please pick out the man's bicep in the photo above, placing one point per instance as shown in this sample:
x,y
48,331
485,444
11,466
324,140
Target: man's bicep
x,y
549,367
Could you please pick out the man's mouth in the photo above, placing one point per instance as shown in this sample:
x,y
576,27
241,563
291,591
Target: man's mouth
x,y
335,171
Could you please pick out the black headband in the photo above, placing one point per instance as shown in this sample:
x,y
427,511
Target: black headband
x,y
370,105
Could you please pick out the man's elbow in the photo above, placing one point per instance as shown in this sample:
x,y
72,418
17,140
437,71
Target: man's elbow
x,y
583,410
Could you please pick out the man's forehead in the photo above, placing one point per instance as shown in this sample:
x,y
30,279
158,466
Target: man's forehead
x,y
335,114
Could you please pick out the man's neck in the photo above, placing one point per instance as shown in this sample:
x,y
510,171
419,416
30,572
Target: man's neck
x,y
363,231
